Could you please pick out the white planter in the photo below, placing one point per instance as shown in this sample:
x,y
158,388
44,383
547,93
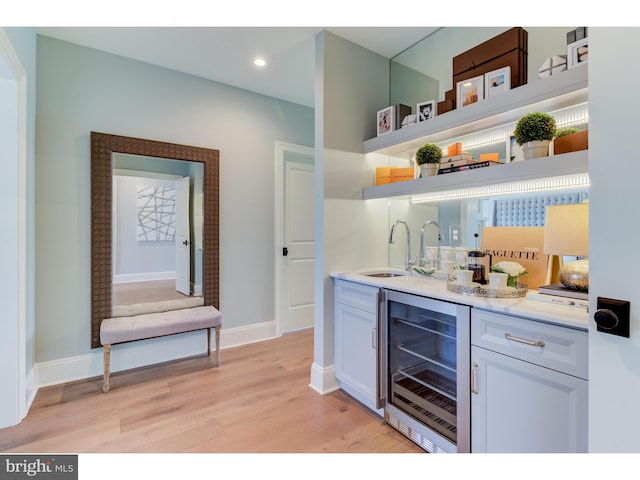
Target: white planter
x,y
429,169
535,149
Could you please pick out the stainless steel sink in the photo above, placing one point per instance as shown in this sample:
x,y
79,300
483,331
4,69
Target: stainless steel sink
x,y
384,274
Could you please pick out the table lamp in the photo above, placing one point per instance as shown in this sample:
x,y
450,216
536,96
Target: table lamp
x,y
566,233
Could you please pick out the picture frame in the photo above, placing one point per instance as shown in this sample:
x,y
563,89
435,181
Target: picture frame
x,y
426,110
385,121
470,91
497,82
514,151
578,53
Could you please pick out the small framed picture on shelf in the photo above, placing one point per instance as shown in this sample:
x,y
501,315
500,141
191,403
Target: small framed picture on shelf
x,y
497,82
470,91
385,121
514,151
426,110
578,52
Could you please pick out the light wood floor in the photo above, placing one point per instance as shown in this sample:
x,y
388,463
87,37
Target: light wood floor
x,y
257,401
141,292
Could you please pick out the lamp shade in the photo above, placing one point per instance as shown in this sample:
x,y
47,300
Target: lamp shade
x,y
566,230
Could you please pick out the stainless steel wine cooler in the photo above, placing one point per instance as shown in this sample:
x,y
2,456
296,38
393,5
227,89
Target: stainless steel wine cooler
x,y
424,370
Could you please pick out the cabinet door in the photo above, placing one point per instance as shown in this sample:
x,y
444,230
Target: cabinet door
x,y
356,352
519,407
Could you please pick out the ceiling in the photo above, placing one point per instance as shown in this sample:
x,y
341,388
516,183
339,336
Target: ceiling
x,y
226,54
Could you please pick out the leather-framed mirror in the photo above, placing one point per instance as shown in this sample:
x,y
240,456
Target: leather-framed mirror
x,y
103,146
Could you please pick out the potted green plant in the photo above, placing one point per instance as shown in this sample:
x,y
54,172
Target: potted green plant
x,y
428,158
570,140
534,133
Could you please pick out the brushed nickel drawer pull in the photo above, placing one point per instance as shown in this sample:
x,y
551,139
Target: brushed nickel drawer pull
x,y
474,366
533,343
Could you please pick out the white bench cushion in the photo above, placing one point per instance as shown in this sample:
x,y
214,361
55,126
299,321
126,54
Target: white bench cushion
x,y
155,307
150,325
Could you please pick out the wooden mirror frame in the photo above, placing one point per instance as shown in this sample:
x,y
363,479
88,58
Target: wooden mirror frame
x,y
102,147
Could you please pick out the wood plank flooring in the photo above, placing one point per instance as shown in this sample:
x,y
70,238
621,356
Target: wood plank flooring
x,y
257,401
149,291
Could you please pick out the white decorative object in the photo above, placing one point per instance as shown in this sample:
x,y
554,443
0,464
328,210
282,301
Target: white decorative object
x,y
535,149
408,120
464,277
552,66
429,169
498,280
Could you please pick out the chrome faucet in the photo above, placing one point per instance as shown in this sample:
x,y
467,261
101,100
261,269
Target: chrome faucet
x,y
407,262
421,260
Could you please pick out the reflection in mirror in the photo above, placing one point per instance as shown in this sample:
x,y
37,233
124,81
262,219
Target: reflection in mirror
x,y
157,231
164,160
461,219
425,70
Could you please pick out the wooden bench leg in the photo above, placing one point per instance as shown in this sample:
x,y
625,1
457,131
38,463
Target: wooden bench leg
x,y
217,346
107,361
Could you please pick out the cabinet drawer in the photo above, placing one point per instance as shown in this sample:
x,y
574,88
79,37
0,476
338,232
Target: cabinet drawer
x,y
552,346
364,297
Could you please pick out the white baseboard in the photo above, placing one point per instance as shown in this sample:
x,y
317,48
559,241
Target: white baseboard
x,y
147,352
143,277
323,379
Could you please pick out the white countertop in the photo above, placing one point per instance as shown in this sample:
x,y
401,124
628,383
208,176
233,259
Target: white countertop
x,y
570,316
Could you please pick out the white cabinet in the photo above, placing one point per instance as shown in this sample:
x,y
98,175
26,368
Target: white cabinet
x,y
356,340
529,386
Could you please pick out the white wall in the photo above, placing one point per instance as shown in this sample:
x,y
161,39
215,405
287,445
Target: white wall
x,y
82,90
343,240
614,362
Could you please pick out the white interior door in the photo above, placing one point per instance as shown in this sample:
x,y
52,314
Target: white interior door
x,y
183,238
298,246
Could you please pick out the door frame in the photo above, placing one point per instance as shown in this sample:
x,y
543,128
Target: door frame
x,y
19,390
280,149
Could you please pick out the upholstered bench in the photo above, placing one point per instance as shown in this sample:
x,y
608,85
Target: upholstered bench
x,y
150,325
155,307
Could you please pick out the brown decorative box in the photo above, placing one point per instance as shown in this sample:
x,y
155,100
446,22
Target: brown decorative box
x,y
445,106
509,49
571,143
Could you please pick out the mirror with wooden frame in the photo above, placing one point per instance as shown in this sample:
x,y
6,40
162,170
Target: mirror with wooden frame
x,y
103,146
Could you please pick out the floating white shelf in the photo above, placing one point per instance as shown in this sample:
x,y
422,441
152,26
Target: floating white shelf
x,y
547,167
566,89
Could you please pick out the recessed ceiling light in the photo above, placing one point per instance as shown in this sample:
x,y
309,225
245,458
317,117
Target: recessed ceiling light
x,y
260,62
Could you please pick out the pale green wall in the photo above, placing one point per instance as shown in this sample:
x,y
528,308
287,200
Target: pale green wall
x,y
82,90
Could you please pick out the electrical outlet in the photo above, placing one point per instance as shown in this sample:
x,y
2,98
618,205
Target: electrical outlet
x,y
455,234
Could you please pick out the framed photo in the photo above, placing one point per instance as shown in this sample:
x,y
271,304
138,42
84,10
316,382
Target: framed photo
x,y
385,121
578,52
470,91
497,82
514,151
426,110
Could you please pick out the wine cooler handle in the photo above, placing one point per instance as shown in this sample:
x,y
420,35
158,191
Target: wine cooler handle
x,y
533,343
374,338
474,365
380,339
